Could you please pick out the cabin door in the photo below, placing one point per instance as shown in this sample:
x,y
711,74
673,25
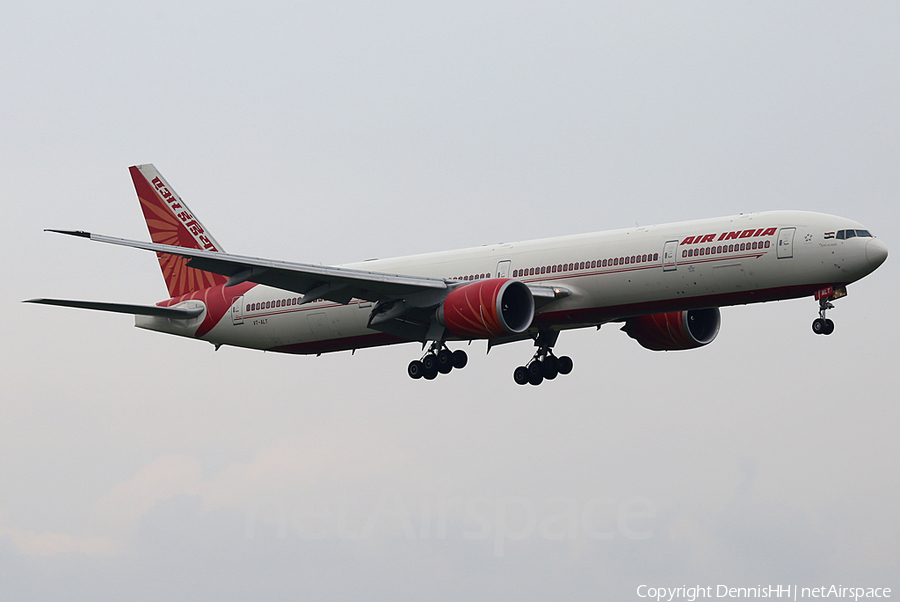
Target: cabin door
x,y
786,243
237,310
670,256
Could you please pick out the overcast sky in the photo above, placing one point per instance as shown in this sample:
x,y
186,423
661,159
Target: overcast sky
x,y
137,465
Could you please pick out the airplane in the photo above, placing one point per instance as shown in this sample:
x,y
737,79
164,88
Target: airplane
x,y
664,284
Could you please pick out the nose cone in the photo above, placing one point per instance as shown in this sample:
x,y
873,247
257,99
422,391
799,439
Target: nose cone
x,y
876,252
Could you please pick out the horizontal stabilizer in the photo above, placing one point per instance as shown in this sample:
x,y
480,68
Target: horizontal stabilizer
x,y
124,308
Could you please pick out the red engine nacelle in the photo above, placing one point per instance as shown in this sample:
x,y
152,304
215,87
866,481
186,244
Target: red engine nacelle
x,y
489,308
675,330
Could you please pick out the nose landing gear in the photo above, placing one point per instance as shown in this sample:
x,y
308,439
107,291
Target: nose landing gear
x,y
438,360
823,325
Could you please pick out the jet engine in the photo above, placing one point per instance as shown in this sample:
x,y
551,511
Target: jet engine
x,y
675,330
489,308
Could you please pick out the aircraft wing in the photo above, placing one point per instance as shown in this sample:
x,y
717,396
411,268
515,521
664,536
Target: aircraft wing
x,y
312,281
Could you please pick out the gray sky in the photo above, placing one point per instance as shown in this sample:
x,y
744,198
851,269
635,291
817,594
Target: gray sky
x,y
141,466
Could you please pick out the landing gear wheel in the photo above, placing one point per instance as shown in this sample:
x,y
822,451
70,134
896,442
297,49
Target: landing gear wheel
x,y
829,327
819,326
551,367
444,361
535,373
460,359
430,366
565,364
520,375
415,369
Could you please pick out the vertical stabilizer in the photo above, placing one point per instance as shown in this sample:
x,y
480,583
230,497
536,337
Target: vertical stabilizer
x,y
170,222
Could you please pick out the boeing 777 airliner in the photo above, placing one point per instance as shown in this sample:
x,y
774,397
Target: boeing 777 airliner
x,y
665,284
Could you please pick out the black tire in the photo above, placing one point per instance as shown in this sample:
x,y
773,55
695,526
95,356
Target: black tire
x,y
829,327
415,369
460,359
430,363
535,379
551,367
565,364
520,375
535,368
444,361
818,326
430,375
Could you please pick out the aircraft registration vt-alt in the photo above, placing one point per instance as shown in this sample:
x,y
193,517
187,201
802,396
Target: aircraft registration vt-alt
x,y
664,283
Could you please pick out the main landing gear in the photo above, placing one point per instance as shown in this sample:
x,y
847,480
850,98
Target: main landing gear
x,y
543,365
821,325
438,360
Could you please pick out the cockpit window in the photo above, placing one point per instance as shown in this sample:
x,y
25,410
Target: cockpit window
x,y
845,234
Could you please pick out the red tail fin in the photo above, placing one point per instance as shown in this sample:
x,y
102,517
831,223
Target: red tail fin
x,y
170,222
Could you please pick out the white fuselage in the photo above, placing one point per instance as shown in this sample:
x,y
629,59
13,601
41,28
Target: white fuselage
x,y
611,276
